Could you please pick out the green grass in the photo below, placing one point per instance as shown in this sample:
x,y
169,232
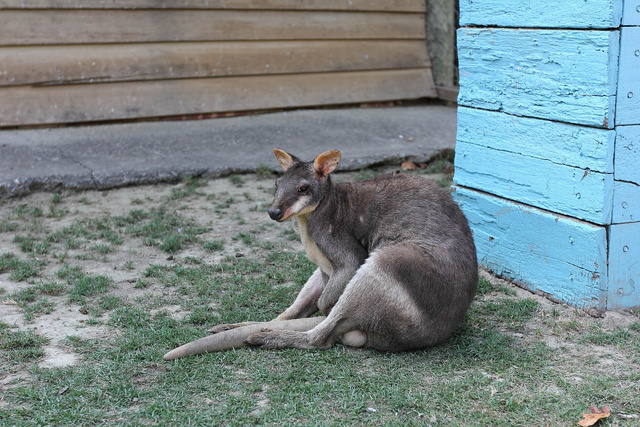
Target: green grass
x,y
83,285
189,187
214,245
19,346
264,172
20,270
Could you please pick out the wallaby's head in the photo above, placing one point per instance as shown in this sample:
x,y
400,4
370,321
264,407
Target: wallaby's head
x,y
303,185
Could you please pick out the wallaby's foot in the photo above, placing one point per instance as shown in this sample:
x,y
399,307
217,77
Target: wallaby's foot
x,y
227,326
280,339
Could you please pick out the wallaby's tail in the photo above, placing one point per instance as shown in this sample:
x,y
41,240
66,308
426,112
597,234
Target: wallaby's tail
x,y
234,338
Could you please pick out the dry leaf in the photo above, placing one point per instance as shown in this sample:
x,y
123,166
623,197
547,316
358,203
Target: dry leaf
x,y
595,416
408,166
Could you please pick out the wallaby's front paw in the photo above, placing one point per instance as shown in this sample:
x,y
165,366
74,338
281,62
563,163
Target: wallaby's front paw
x,y
219,328
227,326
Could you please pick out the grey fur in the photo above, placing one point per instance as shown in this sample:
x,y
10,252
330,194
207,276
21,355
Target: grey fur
x,y
397,263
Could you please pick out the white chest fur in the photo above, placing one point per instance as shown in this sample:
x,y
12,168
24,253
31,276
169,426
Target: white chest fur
x,y
313,252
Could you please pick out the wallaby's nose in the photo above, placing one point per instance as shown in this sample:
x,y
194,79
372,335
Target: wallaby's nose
x,y
275,213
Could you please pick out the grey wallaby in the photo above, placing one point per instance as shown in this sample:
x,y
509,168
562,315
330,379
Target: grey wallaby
x,y
397,266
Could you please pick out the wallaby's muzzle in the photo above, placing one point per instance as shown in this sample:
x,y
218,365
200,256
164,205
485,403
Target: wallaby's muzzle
x,y
275,214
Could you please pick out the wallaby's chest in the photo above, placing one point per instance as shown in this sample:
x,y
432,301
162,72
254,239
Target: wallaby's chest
x,y
311,248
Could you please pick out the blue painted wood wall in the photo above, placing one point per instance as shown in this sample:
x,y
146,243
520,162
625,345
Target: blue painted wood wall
x,y
548,147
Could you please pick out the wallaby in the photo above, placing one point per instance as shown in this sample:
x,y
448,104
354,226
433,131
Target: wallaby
x,y
397,266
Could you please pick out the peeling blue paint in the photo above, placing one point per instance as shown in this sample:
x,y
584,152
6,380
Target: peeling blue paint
x,y
548,149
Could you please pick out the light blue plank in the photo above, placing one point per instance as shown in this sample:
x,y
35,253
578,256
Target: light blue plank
x,y
628,105
626,202
564,144
554,254
563,75
627,163
624,266
631,12
541,183
540,14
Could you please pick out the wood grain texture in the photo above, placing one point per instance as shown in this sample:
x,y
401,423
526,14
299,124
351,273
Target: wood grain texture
x,y
560,143
628,103
624,266
369,5
627,163
29,27
566,190
631,12
564,75
111,63
626,202
112,101
561,256
540,14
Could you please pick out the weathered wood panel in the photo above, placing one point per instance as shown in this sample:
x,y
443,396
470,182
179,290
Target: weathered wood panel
x,y
538,182
627,155
127,26
626,202
111,101
372,5
555,254
565,75
539,14
155,61
628,105
631,12
559,143
624,266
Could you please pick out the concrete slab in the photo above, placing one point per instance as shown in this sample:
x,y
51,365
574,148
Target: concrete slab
x,y
109,156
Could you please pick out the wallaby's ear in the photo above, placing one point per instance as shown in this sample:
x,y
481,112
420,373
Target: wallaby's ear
x,y
326,162
285,159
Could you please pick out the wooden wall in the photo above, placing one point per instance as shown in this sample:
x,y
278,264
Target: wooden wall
x,y
66,61
547,156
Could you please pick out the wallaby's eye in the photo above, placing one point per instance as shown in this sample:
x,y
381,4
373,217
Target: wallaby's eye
x,y
303,189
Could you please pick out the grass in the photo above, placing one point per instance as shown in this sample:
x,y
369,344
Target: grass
x,y
498,368
19,346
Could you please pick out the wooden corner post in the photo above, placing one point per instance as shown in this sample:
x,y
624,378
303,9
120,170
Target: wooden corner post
x,y
548,146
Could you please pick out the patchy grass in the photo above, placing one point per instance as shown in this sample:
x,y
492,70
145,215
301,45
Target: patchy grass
x,y
145,280
19,346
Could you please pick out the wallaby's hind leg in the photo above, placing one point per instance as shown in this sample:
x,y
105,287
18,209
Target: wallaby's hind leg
x,y
386,300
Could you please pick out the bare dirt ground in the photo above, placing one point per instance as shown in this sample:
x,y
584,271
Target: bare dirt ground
x,y
229,209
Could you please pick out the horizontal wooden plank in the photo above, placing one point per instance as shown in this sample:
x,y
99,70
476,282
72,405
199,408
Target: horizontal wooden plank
x,y
539,14
369,5
566,190
564,75
115,26
554,254
624,266
560,143
628,104
626,202
631,13
627,154
111,63
111,101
